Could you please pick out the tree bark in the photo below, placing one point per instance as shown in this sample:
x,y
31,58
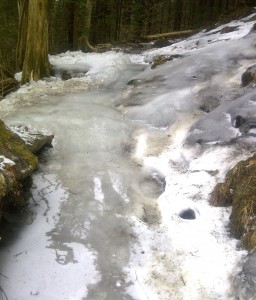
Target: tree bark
x,y
22,35
84,43
36,63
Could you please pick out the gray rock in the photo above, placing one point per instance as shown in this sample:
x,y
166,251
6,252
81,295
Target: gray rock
x,y
209,104
244,285
244,124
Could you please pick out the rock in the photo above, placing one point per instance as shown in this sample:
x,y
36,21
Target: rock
x,y
244,285
34,141
134,82
161,59
249,76
253,28
17,164
228,29
244,124
14,148
209,104
66,75
239,190
239,121
161,43
188,214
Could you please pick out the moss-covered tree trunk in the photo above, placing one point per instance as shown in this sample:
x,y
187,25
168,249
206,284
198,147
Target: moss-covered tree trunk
x,y
36,63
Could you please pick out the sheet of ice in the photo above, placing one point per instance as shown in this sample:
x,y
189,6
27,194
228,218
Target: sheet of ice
x,y
118,186
35,269
109,69
204,39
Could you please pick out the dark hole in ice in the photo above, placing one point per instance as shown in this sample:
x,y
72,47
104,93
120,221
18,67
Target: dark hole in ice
x,y
239,121
187,214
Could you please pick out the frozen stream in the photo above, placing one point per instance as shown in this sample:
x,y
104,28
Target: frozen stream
x,y
120,205
87,185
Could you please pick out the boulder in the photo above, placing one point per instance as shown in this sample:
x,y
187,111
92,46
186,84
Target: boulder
x,y
14,148
244,124
239,190
34,140
17,163
249,76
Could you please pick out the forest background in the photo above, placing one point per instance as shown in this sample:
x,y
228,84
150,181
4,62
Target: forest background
x,y
112,21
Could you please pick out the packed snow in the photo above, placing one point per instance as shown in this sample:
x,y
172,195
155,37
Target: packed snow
x,y
123,197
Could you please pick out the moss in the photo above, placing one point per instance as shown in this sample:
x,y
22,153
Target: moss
x,y
239,190
14,148
12,176
221,195
247,78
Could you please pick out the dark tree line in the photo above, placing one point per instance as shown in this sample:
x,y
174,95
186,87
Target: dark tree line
x,y
42,26
121,20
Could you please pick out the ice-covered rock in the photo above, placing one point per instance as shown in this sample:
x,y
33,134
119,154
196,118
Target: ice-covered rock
x,y
17,162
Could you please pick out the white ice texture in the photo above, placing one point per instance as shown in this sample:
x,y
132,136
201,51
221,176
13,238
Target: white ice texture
x,y
96,234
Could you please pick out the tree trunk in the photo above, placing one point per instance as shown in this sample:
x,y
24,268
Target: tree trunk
x,y
83,42
73,24
36,63
22,36
178,14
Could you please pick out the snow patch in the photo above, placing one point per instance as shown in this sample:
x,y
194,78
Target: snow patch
x,y
98,194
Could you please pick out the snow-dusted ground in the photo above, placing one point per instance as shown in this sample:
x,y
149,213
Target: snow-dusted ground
x,y
101,230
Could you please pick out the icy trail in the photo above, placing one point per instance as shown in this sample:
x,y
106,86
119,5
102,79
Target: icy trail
x,y
101,231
